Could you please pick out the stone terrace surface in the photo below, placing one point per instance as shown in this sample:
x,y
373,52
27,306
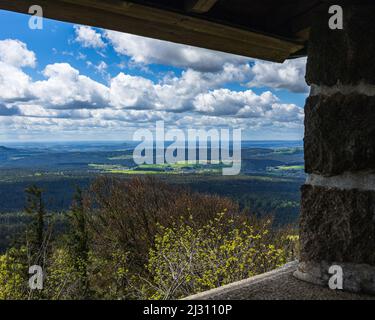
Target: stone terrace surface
x,y
279,284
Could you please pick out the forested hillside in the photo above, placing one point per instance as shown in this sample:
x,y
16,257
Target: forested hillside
x,y
138,239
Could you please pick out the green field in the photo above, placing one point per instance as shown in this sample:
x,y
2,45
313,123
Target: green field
x,y
181,167
298,167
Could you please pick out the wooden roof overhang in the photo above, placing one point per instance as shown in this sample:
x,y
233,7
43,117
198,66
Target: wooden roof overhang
x,y
265,29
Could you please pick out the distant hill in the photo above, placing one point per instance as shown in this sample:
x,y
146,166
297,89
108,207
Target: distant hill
x,y
2,148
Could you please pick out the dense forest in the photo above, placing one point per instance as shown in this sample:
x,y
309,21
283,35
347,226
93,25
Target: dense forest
x,y
138,238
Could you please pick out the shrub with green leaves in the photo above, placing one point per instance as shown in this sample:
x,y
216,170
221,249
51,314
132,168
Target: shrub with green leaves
x,y
187,260
13,274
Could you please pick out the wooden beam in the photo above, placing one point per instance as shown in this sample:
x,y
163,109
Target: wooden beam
x,y
199,6
299,23
130,17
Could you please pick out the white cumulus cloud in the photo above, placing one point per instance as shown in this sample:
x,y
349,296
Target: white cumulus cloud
x,y
15,53
224,102
67,100
88,37
247,104
289,75
14,83
145,51
66,88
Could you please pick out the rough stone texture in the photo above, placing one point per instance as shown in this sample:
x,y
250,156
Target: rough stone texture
x,y
343,56
337,225
356,277
339,134
347,181
278,284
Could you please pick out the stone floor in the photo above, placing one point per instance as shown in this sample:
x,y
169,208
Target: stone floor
x,y
278,284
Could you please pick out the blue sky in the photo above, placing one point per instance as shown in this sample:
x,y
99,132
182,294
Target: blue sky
x,y
70,82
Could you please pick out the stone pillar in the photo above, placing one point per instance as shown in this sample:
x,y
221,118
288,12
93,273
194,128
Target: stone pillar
x,y
337,225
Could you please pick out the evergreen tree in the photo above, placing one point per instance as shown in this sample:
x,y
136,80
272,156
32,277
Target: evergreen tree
x,y
79,240
35,207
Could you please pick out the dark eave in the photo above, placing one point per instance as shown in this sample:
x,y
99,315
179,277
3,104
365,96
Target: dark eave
x,y
257,28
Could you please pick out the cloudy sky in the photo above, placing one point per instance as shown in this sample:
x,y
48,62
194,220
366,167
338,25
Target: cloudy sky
x,y
70,82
